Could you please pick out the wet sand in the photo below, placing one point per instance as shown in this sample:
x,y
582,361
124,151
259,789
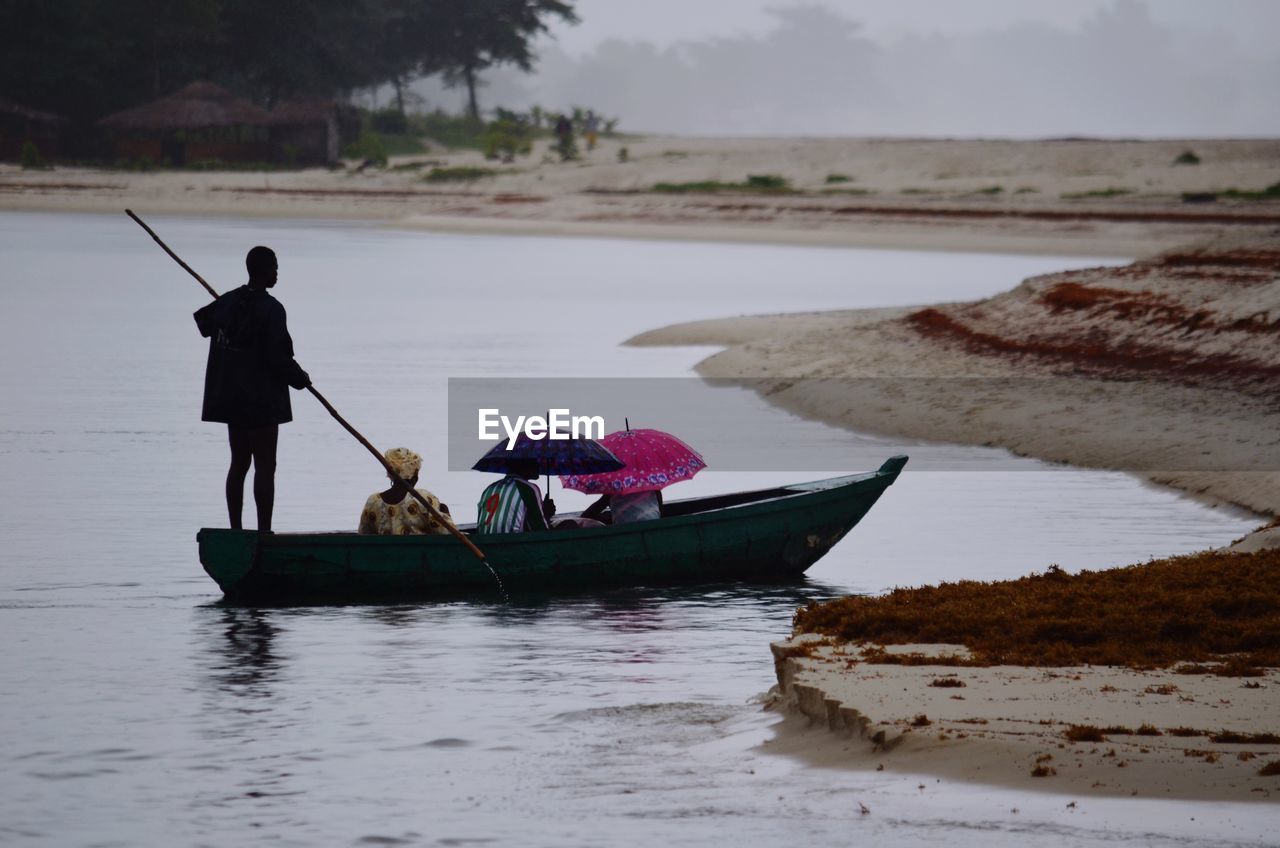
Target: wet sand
x,y
1165,368
1083,197
1008,725
1173,384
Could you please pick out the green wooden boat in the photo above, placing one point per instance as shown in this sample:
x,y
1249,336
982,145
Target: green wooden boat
x,y
765,534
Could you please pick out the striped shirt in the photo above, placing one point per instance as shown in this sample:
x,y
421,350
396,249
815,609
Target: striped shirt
x,y
511,505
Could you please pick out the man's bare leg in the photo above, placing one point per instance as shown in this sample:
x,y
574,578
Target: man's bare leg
x,y
262,442
241,459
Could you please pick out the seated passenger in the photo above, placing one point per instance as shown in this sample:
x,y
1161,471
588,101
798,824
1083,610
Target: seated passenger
x,y
515,504
628,508
395,512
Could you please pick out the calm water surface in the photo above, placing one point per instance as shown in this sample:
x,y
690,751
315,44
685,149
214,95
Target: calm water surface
x,y
137,710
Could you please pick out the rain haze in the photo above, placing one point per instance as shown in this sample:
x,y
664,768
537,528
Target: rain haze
x,y
927,347
1029,68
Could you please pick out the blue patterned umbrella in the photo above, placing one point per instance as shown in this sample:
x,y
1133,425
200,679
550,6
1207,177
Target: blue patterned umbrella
x,y
554,456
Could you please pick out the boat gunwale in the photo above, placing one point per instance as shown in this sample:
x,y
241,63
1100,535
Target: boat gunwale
x,y
819,488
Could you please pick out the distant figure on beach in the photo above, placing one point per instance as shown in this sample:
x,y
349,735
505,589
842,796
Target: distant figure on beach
x,y
564,139
247,380
395,512
628,508
515,504
591,129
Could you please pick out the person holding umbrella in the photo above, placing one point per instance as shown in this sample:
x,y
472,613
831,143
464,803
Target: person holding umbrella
x,y
515,504
652,461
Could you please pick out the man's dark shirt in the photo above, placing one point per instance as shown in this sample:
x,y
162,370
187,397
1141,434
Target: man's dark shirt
x,y
251,365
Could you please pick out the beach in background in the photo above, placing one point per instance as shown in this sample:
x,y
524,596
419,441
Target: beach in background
x,y
1035,267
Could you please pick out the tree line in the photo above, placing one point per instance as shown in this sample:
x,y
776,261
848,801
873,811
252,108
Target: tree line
x,y
88,58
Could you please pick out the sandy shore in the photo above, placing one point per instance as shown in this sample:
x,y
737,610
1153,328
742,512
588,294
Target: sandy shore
x,y
997,725
1111,198
1166,368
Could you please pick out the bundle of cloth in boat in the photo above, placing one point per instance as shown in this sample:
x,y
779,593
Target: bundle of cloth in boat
x,y
397,513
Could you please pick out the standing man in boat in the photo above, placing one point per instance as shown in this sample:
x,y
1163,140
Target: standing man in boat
x,y
247,380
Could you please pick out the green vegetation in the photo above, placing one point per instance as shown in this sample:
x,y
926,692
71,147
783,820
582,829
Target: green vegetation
x,y
835,179
456,132
1209,607
1027,190
1271,192
368,148
417,166
1106,192
388,122
30,157
1187,157
400,144
990,190
768,182
848,192
461,174
707,186
85,58
755,183
508,136
920,191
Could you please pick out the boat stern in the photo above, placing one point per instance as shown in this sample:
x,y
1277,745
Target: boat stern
x,y
228,556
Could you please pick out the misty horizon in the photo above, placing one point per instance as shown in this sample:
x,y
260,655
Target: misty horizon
x,y
1120,72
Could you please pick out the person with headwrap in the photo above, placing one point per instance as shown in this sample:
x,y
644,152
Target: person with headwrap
x,y
395,512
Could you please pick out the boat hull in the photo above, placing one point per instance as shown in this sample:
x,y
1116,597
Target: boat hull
x,y
756,535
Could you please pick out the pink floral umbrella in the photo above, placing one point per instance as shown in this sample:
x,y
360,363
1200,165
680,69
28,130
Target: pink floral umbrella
x,y
654,460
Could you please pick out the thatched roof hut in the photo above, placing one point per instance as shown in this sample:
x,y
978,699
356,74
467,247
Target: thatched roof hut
x,y
20,124
200,105
312,132
202,123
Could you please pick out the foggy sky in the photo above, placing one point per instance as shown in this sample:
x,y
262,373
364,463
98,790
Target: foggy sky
x,y
1255,22
1019,68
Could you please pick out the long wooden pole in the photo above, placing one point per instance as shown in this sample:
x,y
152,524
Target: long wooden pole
x,y
391,472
